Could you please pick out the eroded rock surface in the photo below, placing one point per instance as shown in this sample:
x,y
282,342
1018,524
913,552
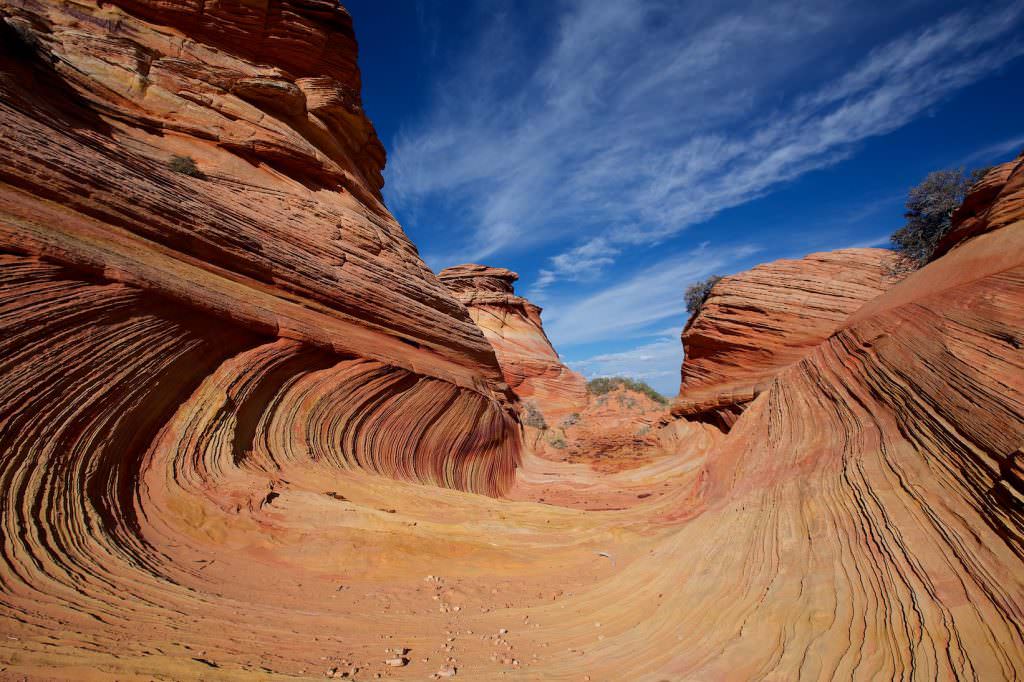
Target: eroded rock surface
x,y
996,201
884,465
221,395
202,291
277,233
512,324
760,321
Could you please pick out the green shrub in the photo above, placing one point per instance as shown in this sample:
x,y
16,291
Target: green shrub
x,y
185,165
532,416
557,442
930,206
603,385
698,292
572,420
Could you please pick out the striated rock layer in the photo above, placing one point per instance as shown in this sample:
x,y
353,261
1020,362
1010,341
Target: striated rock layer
x,y
219,397
276,232
997,200
202,291
758,322
512,324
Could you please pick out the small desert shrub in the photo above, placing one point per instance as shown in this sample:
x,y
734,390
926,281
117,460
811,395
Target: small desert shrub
x,y
532,416
698,292
929,214
557,442
185,165
572,420
603,385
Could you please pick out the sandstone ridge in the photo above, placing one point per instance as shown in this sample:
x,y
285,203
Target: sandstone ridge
x,y
756,323
512,324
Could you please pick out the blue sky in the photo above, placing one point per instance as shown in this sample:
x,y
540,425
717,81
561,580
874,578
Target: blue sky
x,y
613,152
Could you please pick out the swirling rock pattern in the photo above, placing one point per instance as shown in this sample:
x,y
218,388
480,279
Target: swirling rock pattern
x,y
279,233
883,465
181,342
512,324
242,425
760,321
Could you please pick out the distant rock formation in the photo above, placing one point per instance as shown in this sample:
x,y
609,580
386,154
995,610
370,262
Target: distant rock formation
x,y
512,324
760,321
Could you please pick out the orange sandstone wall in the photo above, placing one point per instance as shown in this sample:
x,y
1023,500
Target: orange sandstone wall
x,y
264,310
512,324
996,201
760,321
863,517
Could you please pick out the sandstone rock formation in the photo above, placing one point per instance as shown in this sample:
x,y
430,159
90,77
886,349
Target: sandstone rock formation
x,y
512,324
175,340
758,322
279,234
239,417
884,466
996,201
616,431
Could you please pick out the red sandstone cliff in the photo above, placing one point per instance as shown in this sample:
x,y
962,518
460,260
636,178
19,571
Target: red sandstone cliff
x,y
996,201
202,377
512,324
271,273
760,321
875,487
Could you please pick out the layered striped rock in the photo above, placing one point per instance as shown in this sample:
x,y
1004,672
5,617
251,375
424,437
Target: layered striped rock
x,y
758,322
512,324
215,413
181,336
995,201
273,226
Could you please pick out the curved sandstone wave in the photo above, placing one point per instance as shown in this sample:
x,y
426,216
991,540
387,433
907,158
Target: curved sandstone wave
x,y
241,424
298,248
760,321
512,324
884,466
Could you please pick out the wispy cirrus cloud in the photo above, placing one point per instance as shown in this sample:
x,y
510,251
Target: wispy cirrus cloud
x,y
997,151
581,263
636,120
642,304
876,241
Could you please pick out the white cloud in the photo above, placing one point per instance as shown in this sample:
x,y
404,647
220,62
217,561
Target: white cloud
x,y
997,152
647,301
643,118
658,363
877,241
580,264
